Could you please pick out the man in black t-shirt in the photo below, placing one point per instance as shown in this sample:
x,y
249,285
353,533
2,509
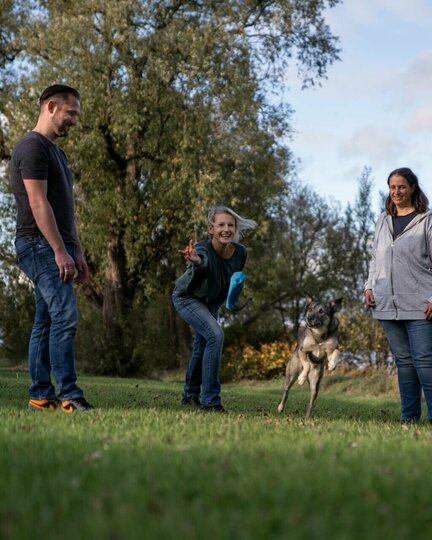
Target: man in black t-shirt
x,y
49,250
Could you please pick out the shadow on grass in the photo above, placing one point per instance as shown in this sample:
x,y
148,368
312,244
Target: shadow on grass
x,y
329,406
240,399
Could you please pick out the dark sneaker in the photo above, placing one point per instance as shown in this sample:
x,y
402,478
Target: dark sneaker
x,y
191,401
44,404
76,405
214,408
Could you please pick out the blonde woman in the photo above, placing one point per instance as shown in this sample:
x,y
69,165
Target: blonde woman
x,y
198,295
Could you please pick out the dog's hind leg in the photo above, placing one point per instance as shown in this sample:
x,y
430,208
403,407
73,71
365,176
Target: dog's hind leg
x,y
315,376
291,374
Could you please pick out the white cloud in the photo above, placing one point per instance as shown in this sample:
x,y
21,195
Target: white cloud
x,y
421,119
417,79
374,145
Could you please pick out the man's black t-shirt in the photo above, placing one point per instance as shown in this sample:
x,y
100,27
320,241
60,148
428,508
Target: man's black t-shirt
x,y
37,158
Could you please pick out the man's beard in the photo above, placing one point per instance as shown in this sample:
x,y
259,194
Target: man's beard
x,y
63,130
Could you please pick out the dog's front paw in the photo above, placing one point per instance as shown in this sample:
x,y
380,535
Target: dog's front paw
x,y
302,377
331,366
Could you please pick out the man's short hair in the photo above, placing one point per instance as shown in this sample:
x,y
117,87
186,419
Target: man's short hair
x,y
55,89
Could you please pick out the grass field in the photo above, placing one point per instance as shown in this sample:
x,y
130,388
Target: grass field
x,y
143,467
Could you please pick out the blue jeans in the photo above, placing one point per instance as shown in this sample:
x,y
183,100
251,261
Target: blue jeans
x,y
203,372
52,341
411,344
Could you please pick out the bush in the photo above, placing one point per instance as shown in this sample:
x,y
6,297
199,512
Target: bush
x,y
362,336
242,361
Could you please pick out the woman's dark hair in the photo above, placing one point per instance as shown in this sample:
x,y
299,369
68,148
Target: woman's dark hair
x,y
418,198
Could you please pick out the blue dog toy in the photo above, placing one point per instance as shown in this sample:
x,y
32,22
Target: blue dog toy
x,y
237,282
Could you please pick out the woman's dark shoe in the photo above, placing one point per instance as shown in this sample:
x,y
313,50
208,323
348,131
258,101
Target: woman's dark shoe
x,y
214,408
191,401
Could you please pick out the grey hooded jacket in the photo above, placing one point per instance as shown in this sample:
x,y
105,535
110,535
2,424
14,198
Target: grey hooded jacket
x,y
400,273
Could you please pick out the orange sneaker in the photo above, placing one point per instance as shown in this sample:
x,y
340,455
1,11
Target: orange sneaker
x,y
44,404
76,405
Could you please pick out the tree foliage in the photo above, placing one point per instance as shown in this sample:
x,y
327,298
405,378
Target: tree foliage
x,y
176,116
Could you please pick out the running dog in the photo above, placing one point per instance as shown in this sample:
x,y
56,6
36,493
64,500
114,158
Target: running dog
x,y
316,342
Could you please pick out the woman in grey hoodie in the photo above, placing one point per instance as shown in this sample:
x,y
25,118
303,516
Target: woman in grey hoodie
x,y
399,288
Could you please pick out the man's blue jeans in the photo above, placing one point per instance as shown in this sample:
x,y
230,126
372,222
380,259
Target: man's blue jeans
x,y
411,344
52,341
204,366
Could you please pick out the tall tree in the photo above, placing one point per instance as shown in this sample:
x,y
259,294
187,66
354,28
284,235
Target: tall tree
x,y
175,118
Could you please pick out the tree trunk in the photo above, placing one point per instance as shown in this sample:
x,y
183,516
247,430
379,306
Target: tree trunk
x,y
114,308
113,290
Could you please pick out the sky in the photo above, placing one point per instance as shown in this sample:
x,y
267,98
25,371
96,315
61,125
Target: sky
x,y
375,107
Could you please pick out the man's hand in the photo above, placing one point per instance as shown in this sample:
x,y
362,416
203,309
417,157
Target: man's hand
x,y
66,264
82,270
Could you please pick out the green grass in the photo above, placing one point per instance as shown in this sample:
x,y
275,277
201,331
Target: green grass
x,y
144,467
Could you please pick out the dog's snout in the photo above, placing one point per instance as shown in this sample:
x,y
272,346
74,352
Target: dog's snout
x,y
314,320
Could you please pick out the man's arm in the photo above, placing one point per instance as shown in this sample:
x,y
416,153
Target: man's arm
x,y
45,220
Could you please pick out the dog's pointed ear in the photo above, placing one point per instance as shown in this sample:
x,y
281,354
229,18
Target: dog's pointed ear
x,y
336,304
308,298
